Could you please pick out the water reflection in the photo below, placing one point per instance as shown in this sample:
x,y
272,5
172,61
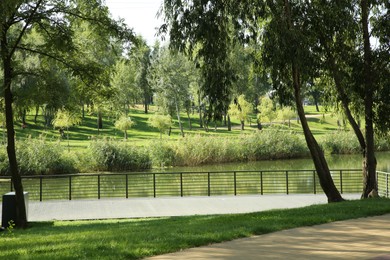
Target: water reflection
x,y
334,161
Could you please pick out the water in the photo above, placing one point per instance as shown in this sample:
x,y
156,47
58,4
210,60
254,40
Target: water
x,y
334,161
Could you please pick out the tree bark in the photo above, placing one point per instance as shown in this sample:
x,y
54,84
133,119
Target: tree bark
x,y
178,118
317,155
229,123
21,217
369,164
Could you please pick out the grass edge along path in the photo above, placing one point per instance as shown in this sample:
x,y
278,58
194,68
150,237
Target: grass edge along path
x,y
138,238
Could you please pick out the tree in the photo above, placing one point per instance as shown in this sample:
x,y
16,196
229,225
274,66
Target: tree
x,y
65,119
286,50
141,53
286,113
124,123
241,109
266,110
172,74
161,122
53,21
125,86
357,68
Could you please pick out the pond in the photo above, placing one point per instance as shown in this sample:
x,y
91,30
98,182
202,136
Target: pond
x,y
334,161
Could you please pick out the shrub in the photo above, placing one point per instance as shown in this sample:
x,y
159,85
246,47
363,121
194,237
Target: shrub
x,y
119,156
163,154
273,144
35,156
340,142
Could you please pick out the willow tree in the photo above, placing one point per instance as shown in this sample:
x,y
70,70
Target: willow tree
x,y
359,69
53,21
211,26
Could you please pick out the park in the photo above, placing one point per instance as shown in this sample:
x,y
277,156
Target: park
x,y
250,101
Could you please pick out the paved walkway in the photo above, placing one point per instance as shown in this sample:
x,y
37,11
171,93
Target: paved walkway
x,y
365,238
167,206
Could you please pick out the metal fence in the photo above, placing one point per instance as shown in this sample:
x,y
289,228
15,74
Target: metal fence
x,y
159,184
383,183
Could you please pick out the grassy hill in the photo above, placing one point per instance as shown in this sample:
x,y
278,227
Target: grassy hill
x,y
141,132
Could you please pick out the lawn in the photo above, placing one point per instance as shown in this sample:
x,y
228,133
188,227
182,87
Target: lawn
x,y
138,238
142,133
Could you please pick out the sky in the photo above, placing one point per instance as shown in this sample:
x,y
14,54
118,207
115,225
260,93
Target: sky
x,y
139,15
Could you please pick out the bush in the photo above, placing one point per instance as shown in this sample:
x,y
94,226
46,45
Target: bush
x,y
163,154
35,156
340,142
118,156
198,149
274,144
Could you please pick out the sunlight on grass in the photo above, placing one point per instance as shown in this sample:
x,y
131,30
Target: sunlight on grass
x,y
138,238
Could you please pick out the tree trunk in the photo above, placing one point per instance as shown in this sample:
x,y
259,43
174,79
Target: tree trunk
x,y
229,123
21,217
36,114
317,155
24,113
178,119
200,111
242,125
369,164
100,120
125,134
146,102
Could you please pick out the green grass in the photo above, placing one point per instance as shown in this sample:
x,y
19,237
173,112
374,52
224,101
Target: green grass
x,y
143,134
138,238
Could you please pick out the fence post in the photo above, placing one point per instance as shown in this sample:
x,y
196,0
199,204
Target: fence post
x,y
341,181
314,182
235,184
181,184
40,188
287,182
261,182
208,184
99,187
127,186
70,187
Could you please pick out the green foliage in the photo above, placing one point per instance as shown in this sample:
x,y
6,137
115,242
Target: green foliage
x,y
119,156
340,142
198,149
266,110
161,122
124,123
286,114
40,157
241,109
274,144
163,154
266,145
65,119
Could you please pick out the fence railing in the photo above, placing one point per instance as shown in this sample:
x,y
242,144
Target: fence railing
x,y
383,183
158,184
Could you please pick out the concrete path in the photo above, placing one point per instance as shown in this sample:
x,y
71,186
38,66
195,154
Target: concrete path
x,y
167,206
365,238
